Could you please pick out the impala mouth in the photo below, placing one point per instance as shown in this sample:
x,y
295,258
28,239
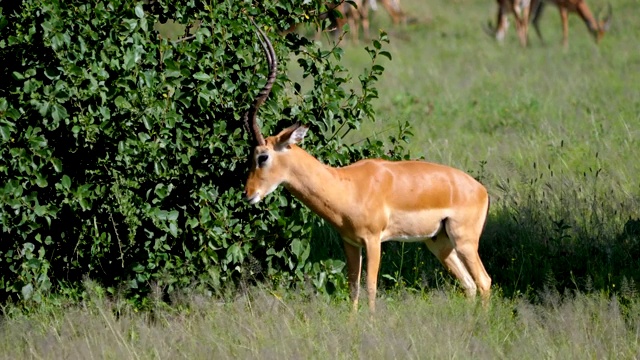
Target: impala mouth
x,y
253,199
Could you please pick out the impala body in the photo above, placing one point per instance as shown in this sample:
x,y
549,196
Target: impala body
x,y
374,200
526,11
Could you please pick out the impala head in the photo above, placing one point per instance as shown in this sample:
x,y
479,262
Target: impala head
x,y
271,162
270,158
603,24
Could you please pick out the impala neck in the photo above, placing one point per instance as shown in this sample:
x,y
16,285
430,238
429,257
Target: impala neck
x,y
317,185
586,15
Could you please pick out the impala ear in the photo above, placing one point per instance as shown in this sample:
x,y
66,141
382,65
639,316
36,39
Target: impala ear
x,y
291,135
298,134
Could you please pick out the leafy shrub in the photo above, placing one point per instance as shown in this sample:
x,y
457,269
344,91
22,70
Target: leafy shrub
x,y
123,155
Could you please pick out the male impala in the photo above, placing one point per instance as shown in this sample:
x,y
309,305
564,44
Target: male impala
x,y
531,10
597,27
374,200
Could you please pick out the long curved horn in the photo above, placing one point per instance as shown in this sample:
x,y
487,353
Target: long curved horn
x,y
250,117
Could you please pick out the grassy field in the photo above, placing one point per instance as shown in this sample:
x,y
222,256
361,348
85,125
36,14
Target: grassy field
x,y
263,324
470,99
555,136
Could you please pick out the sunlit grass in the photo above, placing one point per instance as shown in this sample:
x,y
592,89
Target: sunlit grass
x,y
263,323
471,99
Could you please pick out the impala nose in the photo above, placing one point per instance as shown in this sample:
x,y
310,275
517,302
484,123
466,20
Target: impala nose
x,y
252,198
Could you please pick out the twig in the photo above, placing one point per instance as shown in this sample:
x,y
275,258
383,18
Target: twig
x,y
184,39
117,237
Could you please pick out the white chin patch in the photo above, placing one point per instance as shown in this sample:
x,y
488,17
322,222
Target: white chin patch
x,y
255,199
259,195
270,190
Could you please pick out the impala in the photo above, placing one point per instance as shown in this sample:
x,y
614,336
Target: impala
x,y
526,11
343,13
520,10
356,16
393,9
372,201
597,27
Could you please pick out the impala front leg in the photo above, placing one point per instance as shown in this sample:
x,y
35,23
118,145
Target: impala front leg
x,y
373,265
564,16
354,268
502,23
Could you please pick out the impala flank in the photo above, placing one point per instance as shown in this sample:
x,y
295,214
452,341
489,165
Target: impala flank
x,y
374,200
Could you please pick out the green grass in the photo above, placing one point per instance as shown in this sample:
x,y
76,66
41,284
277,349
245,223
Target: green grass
x,y
267,324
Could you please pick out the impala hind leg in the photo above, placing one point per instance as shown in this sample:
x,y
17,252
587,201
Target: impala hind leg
x,y
354,268
443,249
466,237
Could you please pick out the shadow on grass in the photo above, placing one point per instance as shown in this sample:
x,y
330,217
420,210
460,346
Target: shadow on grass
x,y
529,247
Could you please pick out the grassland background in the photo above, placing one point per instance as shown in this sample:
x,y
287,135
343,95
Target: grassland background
x,y
553,133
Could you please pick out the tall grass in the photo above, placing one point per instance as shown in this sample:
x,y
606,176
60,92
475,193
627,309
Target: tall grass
x,y
268,324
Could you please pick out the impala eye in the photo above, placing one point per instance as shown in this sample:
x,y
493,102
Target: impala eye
x,y
262,158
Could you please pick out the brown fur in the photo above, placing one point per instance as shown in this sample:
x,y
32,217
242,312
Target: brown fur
x,y
525,12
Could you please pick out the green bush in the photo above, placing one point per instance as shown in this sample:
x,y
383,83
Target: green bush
x,y
123,155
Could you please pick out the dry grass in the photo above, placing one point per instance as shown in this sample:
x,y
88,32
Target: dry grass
x,y
266,325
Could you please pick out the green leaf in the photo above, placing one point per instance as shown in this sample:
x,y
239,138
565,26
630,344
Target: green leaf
x,y
57,164
40,210
202,76
386,54
41,181
27,291
296,247
173,215
58,112
139,11
377,68
5,131
66,182
173,229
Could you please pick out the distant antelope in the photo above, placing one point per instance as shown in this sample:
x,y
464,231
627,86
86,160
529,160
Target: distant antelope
x,y
357,16
526,11
341,14
520,10
597,27
374,200
393,9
